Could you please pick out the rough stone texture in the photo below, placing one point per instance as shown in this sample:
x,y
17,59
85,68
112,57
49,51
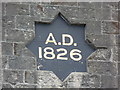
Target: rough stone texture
x,y
93,5
102,42
64,3
91,81
18,48
101,31
25,86
106,55
82,80
14,36
106,14
107,68
28,36
12,77
24,22
118,68
30,77
111,5
5,62
8,22
114,53
52,81
17,9
101,55
106,79
119,82
83,14
115,15
110,27
74,80
119,47
6,50
7,86
93,28
27,52
17,62
1,74
44,11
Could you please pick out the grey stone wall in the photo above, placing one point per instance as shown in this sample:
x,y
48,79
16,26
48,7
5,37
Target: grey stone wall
x,y
0,45
102,31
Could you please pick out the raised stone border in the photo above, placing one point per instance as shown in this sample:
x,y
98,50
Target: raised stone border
x,y
19,64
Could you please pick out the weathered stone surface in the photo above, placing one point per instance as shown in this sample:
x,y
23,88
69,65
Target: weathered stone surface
x,y
5,62
64,3
105,82
115,15
90,81
91,15
106,14
7,48
7,86
3,34
25,86
100,54
18,47
52,81
18,62
96,4
30,77
8,22
114,40
118,39
28,36
19,36
36,10
93,28
46,20
118,68
1,73
89,5
98,14
25,22
107,68
102,14
74,80
119,18
119,54
110,54
84,5
1,77
102,41
13,77
3,9
77,21
17,9
82,80
27,53
44,11
74,13
50,11
114,53
118,81
110,5
110,27
14,36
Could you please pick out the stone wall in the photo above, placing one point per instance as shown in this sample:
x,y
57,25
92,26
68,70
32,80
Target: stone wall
x,y
19,65
0,45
